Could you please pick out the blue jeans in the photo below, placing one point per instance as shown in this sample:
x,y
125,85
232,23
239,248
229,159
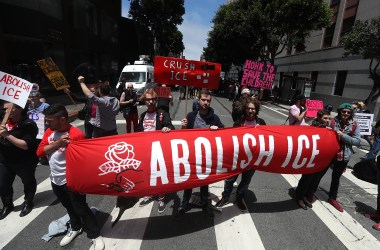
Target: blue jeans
x,y
378,185
374,149
243,185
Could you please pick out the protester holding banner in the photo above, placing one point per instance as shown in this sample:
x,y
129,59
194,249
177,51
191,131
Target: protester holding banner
x,y
297,111
204,117
107,108
309,183
17,157
250,118
151,120
128,105
53,145
348,133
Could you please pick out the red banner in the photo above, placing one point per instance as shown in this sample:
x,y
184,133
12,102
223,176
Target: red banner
x,y
151,163
176,71
162,91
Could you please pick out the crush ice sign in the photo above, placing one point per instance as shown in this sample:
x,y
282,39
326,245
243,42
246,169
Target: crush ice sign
x,y
258,75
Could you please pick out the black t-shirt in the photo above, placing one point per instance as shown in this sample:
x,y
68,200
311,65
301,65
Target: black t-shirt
x,y
25,130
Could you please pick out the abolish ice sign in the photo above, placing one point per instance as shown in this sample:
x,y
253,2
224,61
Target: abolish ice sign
x,y
14,89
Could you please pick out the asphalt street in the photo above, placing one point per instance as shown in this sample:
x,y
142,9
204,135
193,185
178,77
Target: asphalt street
x,y
274,221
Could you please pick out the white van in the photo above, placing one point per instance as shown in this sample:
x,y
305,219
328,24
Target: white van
x,y
138,74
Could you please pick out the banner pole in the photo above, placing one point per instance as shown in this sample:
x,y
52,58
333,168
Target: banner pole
x,y
187,89
6,116
68,94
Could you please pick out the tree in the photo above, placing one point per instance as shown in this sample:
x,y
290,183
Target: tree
x,y
263,28
364,39
162,18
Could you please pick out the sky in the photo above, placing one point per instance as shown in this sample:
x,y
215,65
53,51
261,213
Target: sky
x,y
196,24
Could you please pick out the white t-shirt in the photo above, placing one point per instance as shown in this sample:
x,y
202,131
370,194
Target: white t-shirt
x,y
149,122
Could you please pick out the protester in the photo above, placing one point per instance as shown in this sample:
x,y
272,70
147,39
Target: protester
x,y
237,110
250,118
348,133
17,157
376,144
53,145
309,183
297,111
165,102
361,108
120,89
377,214
128,105
35,108
89,110
107,108
204,117
151,120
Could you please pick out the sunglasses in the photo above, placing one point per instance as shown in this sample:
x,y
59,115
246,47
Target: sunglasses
x,y
129,87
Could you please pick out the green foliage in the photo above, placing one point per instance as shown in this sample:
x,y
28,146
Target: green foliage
x,y
364,39
261,29
162,18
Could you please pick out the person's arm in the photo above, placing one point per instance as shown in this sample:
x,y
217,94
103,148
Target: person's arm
x,y
122,100
12,139
297,116
352,140
86,91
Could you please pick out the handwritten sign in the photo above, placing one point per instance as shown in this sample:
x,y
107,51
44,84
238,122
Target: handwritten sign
x,y
313,106
162,91
52,72
364,121
258,75
39,119
14,89
176,71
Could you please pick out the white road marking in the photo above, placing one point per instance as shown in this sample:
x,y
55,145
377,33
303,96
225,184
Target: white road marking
x,y
13,224
234,229
349,231
128,233
366,186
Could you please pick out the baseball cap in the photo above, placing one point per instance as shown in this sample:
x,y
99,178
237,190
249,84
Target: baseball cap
x,y
245,91
346,106
34,94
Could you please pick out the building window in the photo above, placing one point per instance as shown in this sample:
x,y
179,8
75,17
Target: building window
x,y
314,77
329,32
340,82
349,16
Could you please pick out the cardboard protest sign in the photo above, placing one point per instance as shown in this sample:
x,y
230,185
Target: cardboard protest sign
x,y
52,72
14,89
152,163
313,106
162,91
176,71
258,75
364,121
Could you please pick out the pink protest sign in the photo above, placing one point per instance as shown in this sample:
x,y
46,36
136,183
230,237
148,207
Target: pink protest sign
x,y
313,106
258,75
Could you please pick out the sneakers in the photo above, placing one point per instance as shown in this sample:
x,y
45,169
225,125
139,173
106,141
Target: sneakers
x,y
335,204
161,206
69,237
97,243
241,205
146,201
376,226
222,202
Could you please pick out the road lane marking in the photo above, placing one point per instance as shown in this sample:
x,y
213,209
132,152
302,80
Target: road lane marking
x,y
13,224
129,231
234,229
366,186
349,231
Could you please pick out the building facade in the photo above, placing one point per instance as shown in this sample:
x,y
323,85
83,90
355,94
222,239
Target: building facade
x,y
321,71
71,32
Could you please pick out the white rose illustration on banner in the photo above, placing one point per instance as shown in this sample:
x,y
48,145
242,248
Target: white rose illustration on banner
x,y
120,158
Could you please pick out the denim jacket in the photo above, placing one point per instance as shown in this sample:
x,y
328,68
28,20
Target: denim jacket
x,y
347,139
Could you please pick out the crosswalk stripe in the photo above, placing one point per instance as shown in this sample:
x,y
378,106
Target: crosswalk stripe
x,y
366,186
349,231
13,224
128,233
234,229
